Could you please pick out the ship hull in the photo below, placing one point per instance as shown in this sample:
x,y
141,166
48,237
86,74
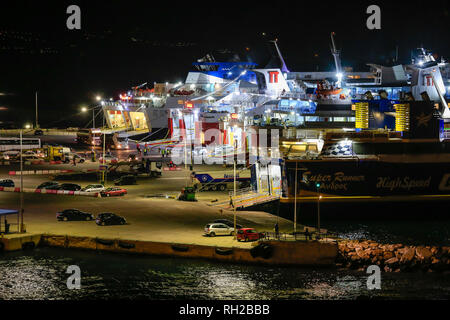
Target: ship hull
x,y
364,189
368,178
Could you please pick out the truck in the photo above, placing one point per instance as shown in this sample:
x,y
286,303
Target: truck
x,y
221,180
55,153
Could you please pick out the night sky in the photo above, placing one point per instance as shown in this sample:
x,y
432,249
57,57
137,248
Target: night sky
x,y
126,43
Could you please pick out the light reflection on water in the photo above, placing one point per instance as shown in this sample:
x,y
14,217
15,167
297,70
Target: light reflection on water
x,y
40,274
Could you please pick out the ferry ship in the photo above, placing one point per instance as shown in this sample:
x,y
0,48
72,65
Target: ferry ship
x,y
397,152
215,94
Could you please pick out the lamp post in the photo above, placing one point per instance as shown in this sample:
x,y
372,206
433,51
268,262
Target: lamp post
x,y
92,107
37,123
21,185
319,197
98,98
185,151
295,200
234,188
104,161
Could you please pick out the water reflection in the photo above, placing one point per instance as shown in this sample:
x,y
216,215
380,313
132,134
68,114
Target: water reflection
x,y
40,274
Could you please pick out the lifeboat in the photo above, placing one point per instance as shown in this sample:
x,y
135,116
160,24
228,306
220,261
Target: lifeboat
x,y
324,90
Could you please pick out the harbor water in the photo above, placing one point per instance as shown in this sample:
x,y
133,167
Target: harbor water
x,y
41,274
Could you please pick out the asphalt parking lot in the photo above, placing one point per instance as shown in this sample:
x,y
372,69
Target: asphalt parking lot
x,y
148,217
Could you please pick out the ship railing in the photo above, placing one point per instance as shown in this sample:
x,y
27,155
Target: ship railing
x,y
241,191
446,135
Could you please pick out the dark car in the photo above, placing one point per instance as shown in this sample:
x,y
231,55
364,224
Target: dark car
x,y
113,191
228,223
107,218
8,183
74,215
132,157
69,187
51,185
125,180
38,132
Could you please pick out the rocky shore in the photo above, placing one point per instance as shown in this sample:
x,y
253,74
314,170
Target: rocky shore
x,y
357,254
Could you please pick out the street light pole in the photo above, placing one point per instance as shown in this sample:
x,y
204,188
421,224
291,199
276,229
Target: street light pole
x,y
21,186
37,123
318,213
104,144
295,200
185,149
234,189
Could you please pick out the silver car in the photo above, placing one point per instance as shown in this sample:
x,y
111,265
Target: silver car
x,y
93,188
218,229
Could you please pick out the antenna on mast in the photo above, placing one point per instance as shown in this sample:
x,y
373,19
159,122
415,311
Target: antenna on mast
x,y
337,59
284,69
336,54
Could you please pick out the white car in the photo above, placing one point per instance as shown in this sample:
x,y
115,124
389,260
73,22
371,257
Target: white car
x,y
108,159
8,155
93,188
69,157
30,153
31,158
218,229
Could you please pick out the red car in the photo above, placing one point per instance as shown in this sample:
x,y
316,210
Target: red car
x,y
113,192
247,234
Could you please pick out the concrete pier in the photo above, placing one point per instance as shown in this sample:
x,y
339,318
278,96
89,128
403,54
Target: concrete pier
x,y
313,253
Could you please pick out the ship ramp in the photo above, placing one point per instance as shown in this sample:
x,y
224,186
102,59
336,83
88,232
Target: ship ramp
x,y
245,198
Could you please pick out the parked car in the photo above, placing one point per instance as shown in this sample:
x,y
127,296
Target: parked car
x,y
108,159
126,180
69,156
38,132
69,187
11,154
248,234
228,223
108,218
93,188
50,185
31,153
113,191
218,229
31,158
8,183
73,215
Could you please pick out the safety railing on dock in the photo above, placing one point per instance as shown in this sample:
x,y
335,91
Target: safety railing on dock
x,y
246,200
298,236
